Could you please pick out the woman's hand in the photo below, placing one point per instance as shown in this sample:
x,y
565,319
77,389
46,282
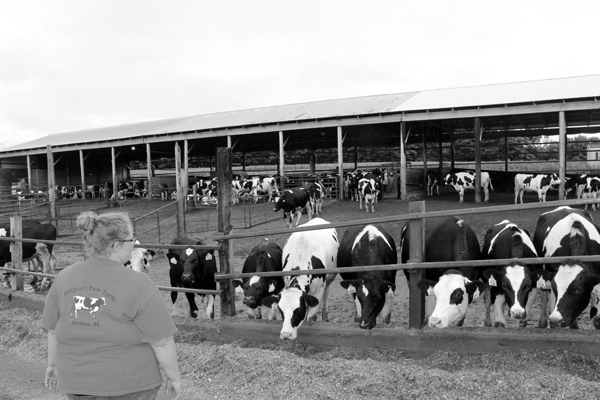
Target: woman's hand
x,y
51,380
173,388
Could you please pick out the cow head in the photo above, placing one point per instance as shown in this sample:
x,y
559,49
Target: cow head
x,y
515,282
374,295
294,305
450,179
192,262
572,284
595,303
140,259
554,180
255,290
453,294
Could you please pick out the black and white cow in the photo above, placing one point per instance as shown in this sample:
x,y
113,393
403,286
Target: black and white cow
x,y
432,183
260,186
292,202
591,187
566,232
264,257
192,269
372,292
316,193
513,284
466,180
538,183
447,239
40,255
352,181
367,191
300,299
140,259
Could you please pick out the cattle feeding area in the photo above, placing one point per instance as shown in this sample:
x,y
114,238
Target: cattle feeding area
x,y
213,369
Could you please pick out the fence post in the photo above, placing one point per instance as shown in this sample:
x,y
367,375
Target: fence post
x,y
224,225
158,226
417,251
16,250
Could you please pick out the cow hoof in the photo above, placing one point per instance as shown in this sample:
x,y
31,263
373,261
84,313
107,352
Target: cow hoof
x,y
522,324
387,319
596,323
488,323
543,324
554,325
499,325
194,314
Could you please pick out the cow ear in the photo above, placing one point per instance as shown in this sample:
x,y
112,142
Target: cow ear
x,y
351,285
311,301
543,277
473,287
237,283
270,300
426,286
173,258
390,286
151,252
490,277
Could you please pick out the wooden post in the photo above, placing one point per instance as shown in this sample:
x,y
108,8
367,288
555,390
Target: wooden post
x,y
312,160
186,163
562,156
179,190
402,187
82,168
16,250
340,151
281,161
29,183
51,182
149,170
505,152
224,156
113,158
441,156
416,299
477,140
424,179
452,151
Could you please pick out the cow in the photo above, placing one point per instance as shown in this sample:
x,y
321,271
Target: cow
x,y
590,187
264,257
140,259
90,191
539,183
353,178
31,230
164,191
466,180
316,193
292,202
90,304
44,261
513,283
372,292
259,186
192,269
447,239
367,191
566,232
432,183
300,299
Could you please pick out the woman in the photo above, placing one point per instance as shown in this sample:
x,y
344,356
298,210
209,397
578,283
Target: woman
x,y
109,328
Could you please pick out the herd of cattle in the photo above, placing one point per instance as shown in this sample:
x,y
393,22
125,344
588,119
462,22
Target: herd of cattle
x,y
565,288
584,185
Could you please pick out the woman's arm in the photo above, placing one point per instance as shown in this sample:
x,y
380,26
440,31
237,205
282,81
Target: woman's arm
x,y
166,354
51,379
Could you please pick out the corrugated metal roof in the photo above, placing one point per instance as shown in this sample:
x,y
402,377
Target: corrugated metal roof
x,y
500,94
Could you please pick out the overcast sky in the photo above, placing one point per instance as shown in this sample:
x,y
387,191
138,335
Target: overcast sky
x,y
73,65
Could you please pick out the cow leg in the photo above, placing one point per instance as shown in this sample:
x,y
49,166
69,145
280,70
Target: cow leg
x,y
528,305
461,194
259,312
551,306
360,198
193,306
486,191
386,311
358,308
543,309
251,312
499,321
487,299
210,308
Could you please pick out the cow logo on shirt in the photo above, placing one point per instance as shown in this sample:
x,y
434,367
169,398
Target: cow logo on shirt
x,y
87,303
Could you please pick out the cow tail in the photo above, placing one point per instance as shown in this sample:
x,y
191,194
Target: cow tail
x,y
577,240
516,246
491,187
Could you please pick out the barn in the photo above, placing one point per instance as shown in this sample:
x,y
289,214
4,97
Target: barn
x,y
552,107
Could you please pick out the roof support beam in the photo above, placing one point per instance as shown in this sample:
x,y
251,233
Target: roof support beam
x,y
562,153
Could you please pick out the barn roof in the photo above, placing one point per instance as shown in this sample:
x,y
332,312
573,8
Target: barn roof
x,y
282,117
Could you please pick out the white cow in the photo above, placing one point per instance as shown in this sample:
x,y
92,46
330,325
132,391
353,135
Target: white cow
x,y
466,180
300,299
539,183
140,259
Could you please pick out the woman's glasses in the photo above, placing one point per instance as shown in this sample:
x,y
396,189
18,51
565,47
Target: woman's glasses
x,y
133,239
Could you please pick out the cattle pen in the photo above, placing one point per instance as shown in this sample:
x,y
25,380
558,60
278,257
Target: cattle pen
x,y
416,341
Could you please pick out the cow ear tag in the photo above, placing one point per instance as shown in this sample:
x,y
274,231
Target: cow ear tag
x,y
541,284
208,256
492,281
351,289
189,251
173,261
596,290
430,291
271,288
